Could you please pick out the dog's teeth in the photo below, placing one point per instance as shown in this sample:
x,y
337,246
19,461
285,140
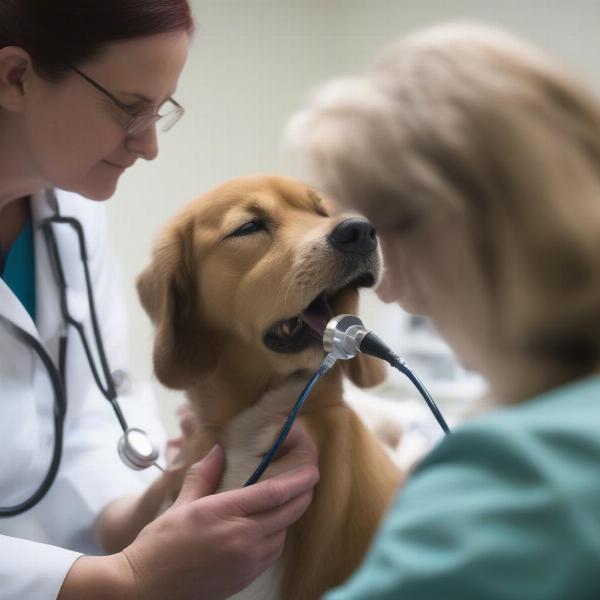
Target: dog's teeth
x,y
289,327
297,325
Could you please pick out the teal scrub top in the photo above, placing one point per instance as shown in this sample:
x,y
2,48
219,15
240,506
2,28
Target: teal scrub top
x,y
507,507
19,269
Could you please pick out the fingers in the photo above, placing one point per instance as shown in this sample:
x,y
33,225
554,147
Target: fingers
x,y
280,518
270,550
274,546
187,419
203,477
271,493
176,450
299,441
173,451
298,450
156,492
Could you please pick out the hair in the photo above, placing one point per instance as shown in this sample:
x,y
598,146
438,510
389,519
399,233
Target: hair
x,y
57,33
465,119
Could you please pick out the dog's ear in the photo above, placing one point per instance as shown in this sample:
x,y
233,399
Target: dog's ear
x,y
167,291
363,370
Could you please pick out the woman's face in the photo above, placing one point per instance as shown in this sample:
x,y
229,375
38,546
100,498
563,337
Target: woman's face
x,y
432,271
74,134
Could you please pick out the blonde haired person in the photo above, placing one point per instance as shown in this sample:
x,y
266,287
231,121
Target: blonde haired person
x,y
478,160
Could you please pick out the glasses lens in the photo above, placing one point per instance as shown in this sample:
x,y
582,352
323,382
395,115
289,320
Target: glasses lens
x,y
141,123
169,115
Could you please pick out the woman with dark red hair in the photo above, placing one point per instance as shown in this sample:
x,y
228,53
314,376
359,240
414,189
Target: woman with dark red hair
x,y
83,87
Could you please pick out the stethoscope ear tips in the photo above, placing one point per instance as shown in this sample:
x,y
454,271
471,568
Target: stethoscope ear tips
x,y
136,450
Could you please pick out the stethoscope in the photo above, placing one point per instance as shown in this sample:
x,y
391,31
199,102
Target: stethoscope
x,y
343,338
134,447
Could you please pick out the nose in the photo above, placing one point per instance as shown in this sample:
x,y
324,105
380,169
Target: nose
x,y
354,236
144,144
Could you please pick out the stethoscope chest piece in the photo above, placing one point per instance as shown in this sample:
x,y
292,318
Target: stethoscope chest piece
x,y
136,450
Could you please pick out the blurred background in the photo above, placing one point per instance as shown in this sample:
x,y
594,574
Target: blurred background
x,y
252,64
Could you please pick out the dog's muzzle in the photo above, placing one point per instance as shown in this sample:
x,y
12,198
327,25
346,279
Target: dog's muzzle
x,y
357,265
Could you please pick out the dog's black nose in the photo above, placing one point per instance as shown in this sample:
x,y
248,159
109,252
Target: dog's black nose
x,y
356,236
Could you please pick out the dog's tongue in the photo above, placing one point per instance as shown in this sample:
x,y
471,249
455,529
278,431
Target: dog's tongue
x,y
317,315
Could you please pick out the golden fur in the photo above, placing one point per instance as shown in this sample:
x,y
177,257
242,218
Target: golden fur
x,y
211,297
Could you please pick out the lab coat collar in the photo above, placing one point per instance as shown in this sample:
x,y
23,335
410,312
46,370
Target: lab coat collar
x,y
43,205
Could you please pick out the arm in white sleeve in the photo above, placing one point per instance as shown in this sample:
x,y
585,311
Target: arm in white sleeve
x,y
32,571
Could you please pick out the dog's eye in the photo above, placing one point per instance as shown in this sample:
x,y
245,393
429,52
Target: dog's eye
x,y
249,228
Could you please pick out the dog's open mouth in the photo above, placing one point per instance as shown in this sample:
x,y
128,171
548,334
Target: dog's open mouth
x,y
306,329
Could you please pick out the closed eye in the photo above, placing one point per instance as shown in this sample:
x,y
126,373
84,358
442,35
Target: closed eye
x,y
249,228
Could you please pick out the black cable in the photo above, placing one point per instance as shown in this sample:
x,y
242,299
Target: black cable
x,y
107,388
373,345
270,455
403,368
60,411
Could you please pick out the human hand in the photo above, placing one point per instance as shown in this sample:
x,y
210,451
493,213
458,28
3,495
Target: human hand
x,y
178,448
208,546
212,546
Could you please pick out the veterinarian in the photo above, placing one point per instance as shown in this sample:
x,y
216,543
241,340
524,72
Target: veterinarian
x,y
477,158
83,88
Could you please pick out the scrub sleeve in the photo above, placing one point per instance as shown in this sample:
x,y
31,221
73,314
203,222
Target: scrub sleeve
x,y
507,506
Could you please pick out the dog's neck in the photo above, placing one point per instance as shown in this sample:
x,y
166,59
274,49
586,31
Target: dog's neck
x,y
232,387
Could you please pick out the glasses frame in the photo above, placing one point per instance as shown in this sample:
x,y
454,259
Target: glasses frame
x,y
133,126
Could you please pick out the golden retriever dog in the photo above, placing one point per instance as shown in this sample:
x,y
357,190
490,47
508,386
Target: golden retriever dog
x,y
238,282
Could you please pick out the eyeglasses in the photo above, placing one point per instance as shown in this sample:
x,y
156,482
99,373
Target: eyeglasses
x,y
169,112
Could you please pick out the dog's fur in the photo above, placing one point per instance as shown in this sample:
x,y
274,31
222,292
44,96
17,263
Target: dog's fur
x,y
212,296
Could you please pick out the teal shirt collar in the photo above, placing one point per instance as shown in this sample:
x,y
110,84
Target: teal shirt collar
x,y
19,269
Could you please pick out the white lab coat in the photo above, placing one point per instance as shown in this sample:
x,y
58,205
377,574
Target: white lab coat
x,y
38,547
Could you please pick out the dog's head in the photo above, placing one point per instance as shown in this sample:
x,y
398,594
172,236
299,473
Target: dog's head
x,y
251,270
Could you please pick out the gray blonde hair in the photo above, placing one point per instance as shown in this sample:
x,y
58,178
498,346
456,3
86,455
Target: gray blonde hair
x,y
465,119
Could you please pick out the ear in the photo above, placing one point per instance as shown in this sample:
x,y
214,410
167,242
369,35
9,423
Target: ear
x,y
15,68
167,291
363,370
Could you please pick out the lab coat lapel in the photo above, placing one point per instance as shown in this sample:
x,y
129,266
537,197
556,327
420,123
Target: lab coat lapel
x,y
10,306
48,315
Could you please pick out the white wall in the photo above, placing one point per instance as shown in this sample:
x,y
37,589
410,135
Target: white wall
x,y
252,64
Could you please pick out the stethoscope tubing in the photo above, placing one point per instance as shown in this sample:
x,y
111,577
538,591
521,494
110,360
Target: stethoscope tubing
x,y
60,412
107,388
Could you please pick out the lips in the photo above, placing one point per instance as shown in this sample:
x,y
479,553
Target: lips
x,y
118,166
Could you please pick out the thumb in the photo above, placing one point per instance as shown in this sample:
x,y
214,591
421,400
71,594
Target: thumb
x,y
202,477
